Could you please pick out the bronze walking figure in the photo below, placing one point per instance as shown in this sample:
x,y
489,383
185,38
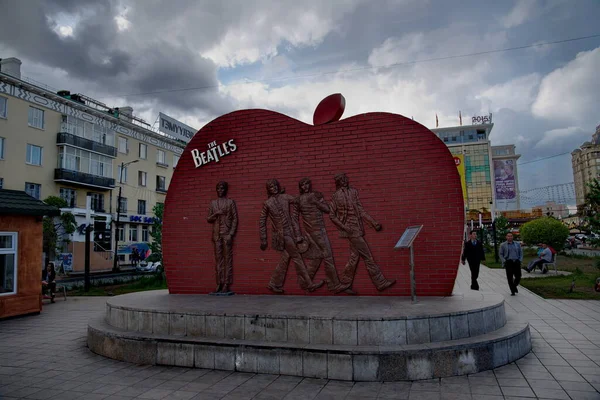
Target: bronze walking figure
x,y
347,213
311,205
222,213
286,238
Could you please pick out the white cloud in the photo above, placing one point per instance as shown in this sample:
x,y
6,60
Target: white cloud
x,y
123,23
517,94
520,13
570,93
258,36
562,137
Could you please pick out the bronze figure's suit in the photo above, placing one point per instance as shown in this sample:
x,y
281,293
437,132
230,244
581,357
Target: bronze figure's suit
x,y
347,213
222,214
311,206
285,237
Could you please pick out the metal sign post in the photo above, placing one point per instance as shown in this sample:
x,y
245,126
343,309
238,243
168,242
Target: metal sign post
x,y
406,241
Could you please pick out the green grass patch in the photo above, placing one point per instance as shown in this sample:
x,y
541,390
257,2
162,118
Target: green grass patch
x,y
140,285
583,268
559,287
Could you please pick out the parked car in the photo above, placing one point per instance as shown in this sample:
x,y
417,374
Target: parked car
x,y
150,264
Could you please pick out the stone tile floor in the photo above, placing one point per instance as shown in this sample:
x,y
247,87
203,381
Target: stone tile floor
x,y
45,357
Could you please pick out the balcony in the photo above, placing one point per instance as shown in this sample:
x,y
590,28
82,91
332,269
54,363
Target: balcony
x,y
78,141
83,179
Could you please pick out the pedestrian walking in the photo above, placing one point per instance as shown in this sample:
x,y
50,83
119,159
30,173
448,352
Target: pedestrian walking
x,y
511,255
474,254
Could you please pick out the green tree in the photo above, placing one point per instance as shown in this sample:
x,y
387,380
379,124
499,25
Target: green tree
x,y
592,209
502,228
156,234
57,230
545,230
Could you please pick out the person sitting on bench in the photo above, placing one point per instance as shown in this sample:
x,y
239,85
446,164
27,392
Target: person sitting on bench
x,y
48,283
545,258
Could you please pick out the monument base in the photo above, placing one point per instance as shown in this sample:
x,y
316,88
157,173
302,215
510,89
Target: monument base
x,y
221,294
345,338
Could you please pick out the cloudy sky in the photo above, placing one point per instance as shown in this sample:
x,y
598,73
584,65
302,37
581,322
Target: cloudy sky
x,y
195,60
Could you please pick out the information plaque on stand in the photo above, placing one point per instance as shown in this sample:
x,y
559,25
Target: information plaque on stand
x,y
406,242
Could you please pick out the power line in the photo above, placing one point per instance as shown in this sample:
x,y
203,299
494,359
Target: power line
x,y
365,68
544,158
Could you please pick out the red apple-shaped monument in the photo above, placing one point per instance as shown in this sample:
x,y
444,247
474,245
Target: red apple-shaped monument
x,y
400,174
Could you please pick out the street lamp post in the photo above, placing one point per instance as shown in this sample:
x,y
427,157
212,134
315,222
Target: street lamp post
x,y
115,259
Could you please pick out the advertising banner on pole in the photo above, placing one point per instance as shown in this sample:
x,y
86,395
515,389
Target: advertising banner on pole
x,y
506,193
459,160
175,128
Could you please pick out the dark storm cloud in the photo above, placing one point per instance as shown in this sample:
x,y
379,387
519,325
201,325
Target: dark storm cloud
x,y
27,28
114,63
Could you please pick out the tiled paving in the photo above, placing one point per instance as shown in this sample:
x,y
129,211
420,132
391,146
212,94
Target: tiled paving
x,y
45,357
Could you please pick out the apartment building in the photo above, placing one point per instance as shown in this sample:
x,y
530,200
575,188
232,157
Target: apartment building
x,y
55,143
586,167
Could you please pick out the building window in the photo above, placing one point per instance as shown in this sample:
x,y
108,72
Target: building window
x,y
97,201
161,158
142,178
34,155
145,234
1,148
123,205
84,161
123,148
121,234
175,160
161,185
33,189
141,207
445,139
8,263
69,195
1,183
3,103
36,118
133,233
143,151
122,177
454,138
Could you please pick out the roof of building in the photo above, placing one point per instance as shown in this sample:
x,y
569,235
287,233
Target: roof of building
x,y
19,202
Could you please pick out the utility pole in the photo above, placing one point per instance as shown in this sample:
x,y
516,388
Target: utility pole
x,y
118,222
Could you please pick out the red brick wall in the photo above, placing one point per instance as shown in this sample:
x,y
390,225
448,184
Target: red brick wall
x,y
29,266
404,174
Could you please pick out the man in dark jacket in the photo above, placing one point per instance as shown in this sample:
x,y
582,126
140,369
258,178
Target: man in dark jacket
x,y
474,254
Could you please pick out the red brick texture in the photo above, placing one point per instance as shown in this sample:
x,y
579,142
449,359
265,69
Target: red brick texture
x,y
404,174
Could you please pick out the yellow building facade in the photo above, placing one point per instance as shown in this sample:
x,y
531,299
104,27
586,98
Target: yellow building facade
x,y
71,146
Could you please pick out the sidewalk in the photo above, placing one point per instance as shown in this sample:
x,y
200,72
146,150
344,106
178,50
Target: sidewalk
x,y
45,357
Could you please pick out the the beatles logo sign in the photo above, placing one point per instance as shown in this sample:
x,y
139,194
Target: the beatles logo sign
x,y
214,152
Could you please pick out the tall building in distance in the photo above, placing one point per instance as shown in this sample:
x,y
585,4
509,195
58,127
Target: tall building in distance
x,y
471,147
586,167
57,143
506,177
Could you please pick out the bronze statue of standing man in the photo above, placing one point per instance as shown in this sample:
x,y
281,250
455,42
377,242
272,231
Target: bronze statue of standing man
x,y
347,213
222,213
311,206
285,238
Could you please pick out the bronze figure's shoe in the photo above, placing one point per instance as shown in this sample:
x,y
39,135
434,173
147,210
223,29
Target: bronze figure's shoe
x,y
350,292
386,285
341,288
225,289
219,288
314,286
275,289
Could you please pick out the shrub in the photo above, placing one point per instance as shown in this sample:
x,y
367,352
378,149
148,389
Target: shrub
x,y
545,230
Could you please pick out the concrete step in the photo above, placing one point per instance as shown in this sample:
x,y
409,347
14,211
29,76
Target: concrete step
x,y
333,361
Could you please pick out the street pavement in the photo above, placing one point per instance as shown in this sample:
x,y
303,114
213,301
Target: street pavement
x,y
45,357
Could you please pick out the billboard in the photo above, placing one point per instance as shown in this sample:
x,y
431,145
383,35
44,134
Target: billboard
x,y
506,190
174,128
459,160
